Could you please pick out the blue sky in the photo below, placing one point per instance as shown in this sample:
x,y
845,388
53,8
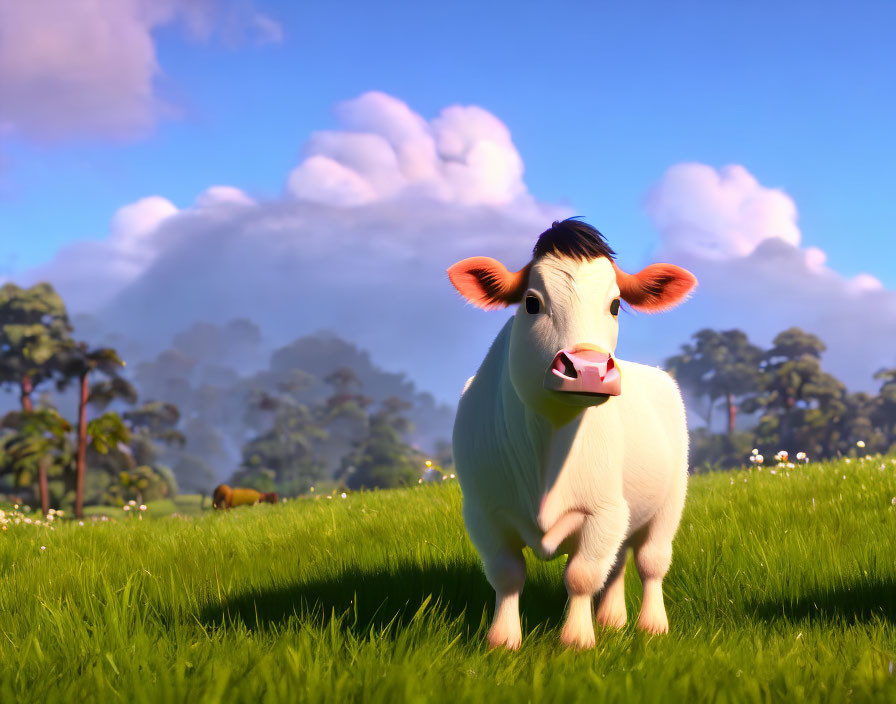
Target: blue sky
x,y
602,102
600,99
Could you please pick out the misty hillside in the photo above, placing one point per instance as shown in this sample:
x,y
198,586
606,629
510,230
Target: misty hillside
x,y
215,375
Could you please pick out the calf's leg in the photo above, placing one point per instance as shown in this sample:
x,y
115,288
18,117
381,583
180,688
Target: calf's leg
x,y
611,607
653,555
587,571
506,572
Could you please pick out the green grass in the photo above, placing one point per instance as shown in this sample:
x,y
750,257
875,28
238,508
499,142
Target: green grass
x,y
782,588
184,504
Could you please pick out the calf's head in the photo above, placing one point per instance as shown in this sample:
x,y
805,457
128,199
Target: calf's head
x,y
564,333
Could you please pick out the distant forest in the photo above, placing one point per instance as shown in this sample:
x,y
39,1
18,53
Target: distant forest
x,y
777,399
82,427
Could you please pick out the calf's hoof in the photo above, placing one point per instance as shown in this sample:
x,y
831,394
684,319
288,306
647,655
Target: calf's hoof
x,y
655,624
577,637
503,638
612,618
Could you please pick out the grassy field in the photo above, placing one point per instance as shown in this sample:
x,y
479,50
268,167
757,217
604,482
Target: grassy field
x,y
783,586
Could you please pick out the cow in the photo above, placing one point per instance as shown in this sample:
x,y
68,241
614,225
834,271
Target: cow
x,y
225,497
562,447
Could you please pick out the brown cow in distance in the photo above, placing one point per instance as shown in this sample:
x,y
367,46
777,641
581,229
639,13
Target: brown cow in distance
x,y
225,497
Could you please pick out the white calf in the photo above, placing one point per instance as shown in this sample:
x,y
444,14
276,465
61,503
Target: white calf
x,y
562,447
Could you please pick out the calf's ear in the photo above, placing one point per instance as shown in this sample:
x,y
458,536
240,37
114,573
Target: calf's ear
x,y
655,288
486,283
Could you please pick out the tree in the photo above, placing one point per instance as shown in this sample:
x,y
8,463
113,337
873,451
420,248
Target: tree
x,y
79,364
718,365
34,331
37,444
802,405
884,411
283,459
382,458
343,415
131,468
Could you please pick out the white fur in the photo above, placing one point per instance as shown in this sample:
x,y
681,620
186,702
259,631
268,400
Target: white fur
x,y
584,475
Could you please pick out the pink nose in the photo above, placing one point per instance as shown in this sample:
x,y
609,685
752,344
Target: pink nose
x,y
585,371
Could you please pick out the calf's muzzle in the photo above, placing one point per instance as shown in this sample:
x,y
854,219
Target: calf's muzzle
x,y
584,370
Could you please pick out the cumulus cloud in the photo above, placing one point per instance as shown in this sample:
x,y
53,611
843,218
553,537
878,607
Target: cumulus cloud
x,y
719,213
742,241
465,156
71,68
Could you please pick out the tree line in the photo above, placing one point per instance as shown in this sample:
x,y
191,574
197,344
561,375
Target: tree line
x,y
297,428
129,444
42,452
777,399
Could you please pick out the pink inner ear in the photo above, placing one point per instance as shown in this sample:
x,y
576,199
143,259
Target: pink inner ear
x,y
655,288
486,283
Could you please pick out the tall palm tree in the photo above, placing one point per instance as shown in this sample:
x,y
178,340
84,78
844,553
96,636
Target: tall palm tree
x,y
82,361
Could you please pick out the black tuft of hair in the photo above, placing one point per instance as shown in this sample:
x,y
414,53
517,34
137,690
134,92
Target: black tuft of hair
x,y
573,238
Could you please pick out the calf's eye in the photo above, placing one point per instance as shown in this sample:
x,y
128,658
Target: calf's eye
x,y
614,307
533,305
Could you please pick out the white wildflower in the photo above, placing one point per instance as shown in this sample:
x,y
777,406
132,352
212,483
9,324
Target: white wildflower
x,y
860,443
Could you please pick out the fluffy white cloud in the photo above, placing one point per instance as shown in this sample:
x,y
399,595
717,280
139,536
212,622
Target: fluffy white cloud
x,y
717,214
741,240
464,156
87,67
